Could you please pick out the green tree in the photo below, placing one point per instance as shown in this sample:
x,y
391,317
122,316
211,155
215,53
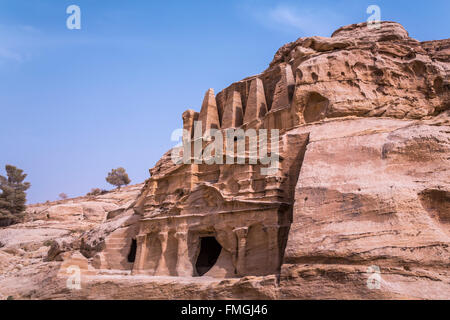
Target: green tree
x,y
118,177
13,196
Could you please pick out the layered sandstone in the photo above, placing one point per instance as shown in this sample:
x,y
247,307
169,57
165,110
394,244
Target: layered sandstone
x,y
34,252
361,190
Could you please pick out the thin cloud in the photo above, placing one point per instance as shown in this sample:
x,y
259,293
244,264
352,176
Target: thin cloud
x,y
28,29
13,39
18,31
8,54
305,21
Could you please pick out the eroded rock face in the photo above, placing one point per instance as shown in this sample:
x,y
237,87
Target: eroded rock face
x,y
357,207
379,201
35,255
378,74
372,72
246,212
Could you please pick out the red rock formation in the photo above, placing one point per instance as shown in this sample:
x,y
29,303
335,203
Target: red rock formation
x,y
356,208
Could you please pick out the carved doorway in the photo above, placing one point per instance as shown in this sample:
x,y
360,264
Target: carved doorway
x,y
209,253
132,253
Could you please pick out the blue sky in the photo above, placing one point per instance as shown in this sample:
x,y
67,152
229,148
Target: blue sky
x,y
76,103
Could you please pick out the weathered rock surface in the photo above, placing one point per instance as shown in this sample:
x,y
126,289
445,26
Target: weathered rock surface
x,y
358,206
31,253
382,200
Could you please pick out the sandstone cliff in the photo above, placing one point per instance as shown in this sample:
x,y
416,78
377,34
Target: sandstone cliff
x,y
358,206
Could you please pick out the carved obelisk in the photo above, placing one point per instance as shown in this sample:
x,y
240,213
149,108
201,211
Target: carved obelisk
x,y
209,116
256,102
233,114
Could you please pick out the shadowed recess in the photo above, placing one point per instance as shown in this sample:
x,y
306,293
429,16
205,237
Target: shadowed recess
x,y
132,253
209,253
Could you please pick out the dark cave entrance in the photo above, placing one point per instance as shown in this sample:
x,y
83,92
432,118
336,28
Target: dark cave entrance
x,y
132,253
209,253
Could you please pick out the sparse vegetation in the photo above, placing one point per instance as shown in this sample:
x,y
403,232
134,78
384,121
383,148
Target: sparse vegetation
x,y
118,177
48,243
13,196
96,192
63,196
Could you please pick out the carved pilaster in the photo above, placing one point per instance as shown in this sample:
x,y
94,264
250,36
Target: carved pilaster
x,y
241,234
141,253
273,249
184,264
162,269
193,176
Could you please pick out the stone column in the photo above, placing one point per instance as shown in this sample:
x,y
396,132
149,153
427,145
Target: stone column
x,y
184,264
193,254
241,234
141,253
193,176
162,269
273,248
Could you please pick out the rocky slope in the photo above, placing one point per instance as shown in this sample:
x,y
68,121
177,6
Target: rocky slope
x,y
359,207
28,251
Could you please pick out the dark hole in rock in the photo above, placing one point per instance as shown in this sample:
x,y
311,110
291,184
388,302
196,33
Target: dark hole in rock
x,y
438,85
132,254
437,203
180,192
419,68
378,73
316,107
410,56
5,222
209,253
